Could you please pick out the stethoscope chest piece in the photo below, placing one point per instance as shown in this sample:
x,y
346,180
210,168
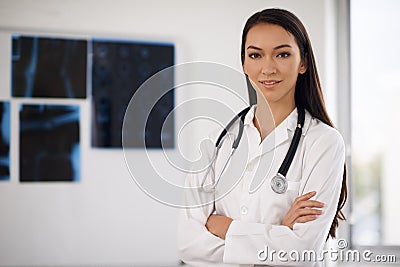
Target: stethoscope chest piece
x,y
279,184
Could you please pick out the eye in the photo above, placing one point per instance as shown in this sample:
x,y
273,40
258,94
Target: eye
x,y
254,55
283,55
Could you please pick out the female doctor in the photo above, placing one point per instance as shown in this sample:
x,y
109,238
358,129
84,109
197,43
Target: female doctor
x,y
244,227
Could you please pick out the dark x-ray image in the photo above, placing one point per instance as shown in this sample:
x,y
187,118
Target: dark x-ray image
x,y
119,68
5,141
48,67
49,143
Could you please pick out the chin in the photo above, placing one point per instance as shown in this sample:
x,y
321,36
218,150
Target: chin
x,y
271,97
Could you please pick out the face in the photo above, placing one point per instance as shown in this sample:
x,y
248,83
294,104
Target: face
x,y
272,61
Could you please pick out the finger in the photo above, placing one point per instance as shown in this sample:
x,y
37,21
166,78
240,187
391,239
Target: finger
x,y
307,218
310,204
295,214
306,196
306,212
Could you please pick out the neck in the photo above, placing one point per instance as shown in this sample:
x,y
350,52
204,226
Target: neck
x,y
280,112
267,117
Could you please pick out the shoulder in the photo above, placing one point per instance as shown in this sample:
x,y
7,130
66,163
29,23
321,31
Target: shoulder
x,y
323,135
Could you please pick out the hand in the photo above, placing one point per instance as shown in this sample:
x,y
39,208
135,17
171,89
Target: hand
x,y
303,210
218,225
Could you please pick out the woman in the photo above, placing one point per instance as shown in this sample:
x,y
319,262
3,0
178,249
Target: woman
x,y
242,228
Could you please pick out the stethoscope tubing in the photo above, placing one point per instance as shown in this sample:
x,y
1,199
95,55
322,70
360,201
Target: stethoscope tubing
x,y
278,183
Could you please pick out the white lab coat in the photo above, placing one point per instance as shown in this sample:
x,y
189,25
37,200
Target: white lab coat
x,y
317,166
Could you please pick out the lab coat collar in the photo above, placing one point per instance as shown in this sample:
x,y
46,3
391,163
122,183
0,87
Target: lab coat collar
x,y
250,115
292,121
281,132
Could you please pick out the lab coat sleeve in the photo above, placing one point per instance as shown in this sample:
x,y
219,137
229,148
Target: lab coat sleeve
x,y
196,245
322,172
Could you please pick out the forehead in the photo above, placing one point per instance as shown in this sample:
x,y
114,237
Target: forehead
x,y
264,35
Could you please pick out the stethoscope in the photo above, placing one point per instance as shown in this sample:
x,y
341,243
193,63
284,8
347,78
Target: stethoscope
x,y
279,183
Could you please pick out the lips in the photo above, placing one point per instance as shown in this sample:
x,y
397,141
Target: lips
x,y
270,83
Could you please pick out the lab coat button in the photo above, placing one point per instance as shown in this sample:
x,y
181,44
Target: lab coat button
x,y
244,210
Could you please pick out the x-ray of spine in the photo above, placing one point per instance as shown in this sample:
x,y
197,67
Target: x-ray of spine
x,y
119,69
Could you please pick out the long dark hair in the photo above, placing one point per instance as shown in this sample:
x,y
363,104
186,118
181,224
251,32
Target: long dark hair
x,y
308,92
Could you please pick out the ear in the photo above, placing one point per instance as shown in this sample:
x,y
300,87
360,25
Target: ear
x,y
303,66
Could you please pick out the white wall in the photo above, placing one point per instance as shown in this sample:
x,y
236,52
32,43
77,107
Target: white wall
x,y
105,219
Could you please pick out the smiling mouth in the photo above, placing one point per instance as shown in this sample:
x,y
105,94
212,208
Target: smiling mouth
x,y
269,83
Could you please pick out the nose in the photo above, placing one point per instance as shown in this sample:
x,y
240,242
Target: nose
x,y
268,67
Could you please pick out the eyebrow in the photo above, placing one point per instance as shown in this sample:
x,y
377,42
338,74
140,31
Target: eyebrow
x,y
275,48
